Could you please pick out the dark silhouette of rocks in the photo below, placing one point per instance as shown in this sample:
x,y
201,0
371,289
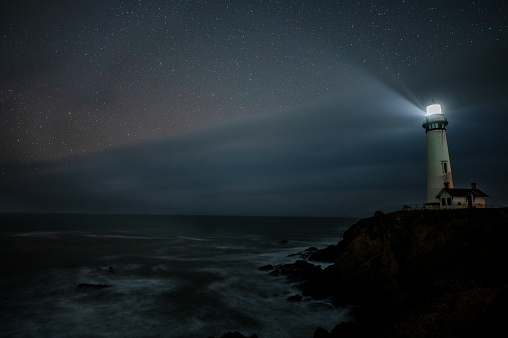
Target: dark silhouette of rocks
x,y
299,271
415,274
327,254
306,254
295,298
268,267
347,329
275,272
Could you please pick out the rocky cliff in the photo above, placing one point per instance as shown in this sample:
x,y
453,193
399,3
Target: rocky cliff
x,y
416,274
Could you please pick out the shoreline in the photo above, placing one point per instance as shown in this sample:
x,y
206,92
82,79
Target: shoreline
x,y
413,273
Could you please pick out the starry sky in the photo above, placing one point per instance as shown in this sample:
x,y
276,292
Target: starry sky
x,y
277,108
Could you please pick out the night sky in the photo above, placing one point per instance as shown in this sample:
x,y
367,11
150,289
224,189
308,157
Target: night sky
x,y
294,108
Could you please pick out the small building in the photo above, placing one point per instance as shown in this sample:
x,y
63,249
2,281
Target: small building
x,y
450,198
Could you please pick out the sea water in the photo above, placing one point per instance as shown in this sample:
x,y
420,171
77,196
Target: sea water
x,y
158,276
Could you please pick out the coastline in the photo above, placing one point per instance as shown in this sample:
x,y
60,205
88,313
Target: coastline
x,y
407,273
413,273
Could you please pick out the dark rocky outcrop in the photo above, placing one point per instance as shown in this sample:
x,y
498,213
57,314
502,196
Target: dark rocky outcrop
x,y
308,253
328,254
299,271
268,267
295,298
415,274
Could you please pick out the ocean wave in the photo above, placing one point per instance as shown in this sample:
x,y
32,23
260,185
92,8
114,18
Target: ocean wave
x,y
122,236
47,234
195,239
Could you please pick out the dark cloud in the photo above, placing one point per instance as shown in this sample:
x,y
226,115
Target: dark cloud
x,y
351,154
334,157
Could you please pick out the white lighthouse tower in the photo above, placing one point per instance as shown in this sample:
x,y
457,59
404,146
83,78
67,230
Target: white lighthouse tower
x,y
439,170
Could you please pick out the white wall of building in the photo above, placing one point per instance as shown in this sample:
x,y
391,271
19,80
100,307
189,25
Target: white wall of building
x,y
439,168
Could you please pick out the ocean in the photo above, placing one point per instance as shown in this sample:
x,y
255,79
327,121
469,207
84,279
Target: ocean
x,y
158,276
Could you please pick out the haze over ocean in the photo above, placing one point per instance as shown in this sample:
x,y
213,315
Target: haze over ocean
x,y
173,276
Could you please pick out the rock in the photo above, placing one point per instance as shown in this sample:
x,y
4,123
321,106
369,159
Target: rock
x,y
306,254
266,267
321,333
275,272
344,330
415,273
329,254
295,298
351,330
300,270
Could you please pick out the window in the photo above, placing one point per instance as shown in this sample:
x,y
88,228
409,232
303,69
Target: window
x,y
449,200
443,201
445,167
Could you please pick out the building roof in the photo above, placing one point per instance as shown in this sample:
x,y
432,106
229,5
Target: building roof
x,y
462,192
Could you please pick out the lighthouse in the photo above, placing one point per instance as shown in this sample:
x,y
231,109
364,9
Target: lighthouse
x,y
439,171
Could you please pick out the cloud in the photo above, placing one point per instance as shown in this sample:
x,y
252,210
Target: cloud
x,y
345,156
